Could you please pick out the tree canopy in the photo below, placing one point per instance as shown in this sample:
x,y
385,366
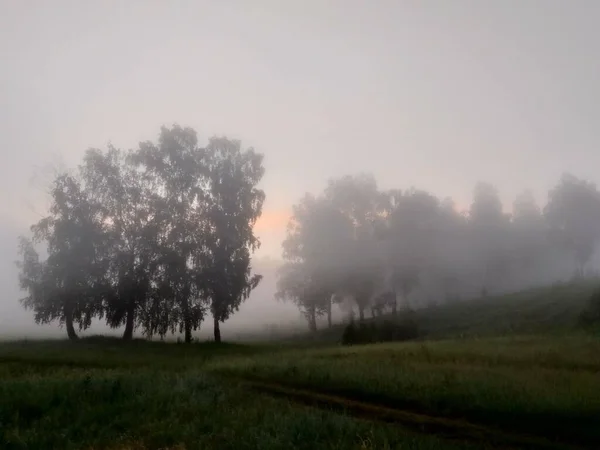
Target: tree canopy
x,y
377,249
151,238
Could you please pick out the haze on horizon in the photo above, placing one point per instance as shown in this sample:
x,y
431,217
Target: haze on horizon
x,y
438,95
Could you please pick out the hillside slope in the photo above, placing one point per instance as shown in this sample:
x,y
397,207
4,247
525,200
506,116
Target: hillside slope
x,y
541,310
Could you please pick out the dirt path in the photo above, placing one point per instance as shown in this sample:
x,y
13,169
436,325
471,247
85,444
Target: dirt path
x,y
453,429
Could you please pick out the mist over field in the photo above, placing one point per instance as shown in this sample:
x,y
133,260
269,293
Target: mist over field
x,y
255,315
439,97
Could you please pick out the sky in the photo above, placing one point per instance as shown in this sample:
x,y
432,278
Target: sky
x,y
433,94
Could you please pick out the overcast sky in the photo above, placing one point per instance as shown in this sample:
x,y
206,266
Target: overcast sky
x,y
437,94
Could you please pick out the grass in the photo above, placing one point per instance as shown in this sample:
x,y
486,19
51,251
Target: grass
x,y
109,395
104,394
543,386
515,374
160,410
107,353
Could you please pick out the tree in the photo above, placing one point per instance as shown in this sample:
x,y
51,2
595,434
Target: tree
x,y
148,238
451,260
132,226
65,286
318,235
362,267
529,235
176,168
489,228
573,213
234,203
331,247
409,240
358,199
295,284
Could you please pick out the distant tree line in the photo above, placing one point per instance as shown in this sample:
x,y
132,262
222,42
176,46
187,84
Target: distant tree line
x,y
384,250
151,238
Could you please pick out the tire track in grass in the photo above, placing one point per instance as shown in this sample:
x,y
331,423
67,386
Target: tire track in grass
x,y
443,427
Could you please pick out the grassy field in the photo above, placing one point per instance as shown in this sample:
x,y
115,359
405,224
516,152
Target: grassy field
x,y
543,386
538,388
102,394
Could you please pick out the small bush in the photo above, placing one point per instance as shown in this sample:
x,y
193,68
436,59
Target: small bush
x,y
380,331
590,316
349,334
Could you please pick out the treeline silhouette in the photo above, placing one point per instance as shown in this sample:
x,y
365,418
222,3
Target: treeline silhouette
x,y
153,238
377,251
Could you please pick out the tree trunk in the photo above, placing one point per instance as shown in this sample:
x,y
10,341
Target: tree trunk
x,y
130,321
361,313
188,330
187,322
217,330
329,313
312,319
70,328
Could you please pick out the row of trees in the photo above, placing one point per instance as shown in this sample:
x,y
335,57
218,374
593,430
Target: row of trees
x,y
378,250
153,238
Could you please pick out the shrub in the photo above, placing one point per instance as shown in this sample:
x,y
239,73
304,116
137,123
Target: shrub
x,y
349,334
380,331
590,316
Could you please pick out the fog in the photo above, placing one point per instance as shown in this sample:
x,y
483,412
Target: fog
x,y
436,95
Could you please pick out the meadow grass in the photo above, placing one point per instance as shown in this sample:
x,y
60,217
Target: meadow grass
x,y
101,393
108,395
544,386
